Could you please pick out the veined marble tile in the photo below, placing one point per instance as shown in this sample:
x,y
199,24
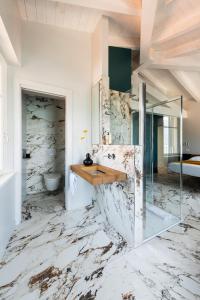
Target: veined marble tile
x,y
167,194
45,140
122,203
117,200
104,109
114,200
191,196
60,255
120,118
123,159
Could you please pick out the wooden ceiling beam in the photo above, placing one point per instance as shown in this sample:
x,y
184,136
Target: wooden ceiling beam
x,y
6,46
187,28
188,49
156,92
147,23
124,42
187,63
190,81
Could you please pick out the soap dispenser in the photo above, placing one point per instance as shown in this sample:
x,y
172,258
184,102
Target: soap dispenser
x,y
88,161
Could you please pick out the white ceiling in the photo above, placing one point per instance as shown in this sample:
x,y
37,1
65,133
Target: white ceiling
x,y
170,46
80,17
170,34
165,82
59,14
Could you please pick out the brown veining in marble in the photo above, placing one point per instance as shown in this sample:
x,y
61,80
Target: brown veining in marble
x,y
44,277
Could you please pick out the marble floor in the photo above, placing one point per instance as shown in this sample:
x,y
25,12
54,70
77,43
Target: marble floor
x,y
166,194
165,204
58,255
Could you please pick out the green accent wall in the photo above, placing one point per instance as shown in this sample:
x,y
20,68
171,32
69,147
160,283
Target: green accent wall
x,y
148,142
148,154
120,69
135,126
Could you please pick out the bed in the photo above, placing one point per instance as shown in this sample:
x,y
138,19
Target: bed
x,y
189,167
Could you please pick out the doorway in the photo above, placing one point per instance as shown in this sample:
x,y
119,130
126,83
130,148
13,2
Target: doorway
x,y
43,151
44,91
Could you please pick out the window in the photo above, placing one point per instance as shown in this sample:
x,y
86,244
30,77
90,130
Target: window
x,y
171,135
3,113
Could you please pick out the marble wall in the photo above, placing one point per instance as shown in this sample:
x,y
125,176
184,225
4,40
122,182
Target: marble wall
x,y
120,118
45,140
121,203
117,200
116,116
104,111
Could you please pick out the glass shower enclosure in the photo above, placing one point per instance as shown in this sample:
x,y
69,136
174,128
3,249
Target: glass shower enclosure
x,y
162,166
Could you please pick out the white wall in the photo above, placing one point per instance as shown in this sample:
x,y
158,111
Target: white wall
x,y
7,220
11,37
10,48
191,128
56,57
10,119
62,58
100,50
7,190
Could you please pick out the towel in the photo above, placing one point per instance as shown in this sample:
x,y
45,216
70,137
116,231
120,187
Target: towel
x,y
72,182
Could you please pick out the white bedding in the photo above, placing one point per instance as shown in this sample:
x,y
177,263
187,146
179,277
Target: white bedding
x,y
188,169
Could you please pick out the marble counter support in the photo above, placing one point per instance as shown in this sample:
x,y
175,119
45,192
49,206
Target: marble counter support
x,y
117,201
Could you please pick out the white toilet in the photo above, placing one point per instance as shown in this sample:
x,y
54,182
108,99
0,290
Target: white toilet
x,y
52,181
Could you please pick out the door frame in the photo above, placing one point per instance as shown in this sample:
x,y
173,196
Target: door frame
x,y
49,90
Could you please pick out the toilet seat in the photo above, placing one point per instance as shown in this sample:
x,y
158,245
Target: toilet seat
x,y
52,176
52,181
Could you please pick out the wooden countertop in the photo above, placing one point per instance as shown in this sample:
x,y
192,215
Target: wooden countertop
x,y
98,174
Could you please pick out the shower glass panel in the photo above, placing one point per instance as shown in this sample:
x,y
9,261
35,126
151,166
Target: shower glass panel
x,y
162,167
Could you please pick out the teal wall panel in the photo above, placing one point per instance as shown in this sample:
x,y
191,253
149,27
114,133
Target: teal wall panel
x,y
120,69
